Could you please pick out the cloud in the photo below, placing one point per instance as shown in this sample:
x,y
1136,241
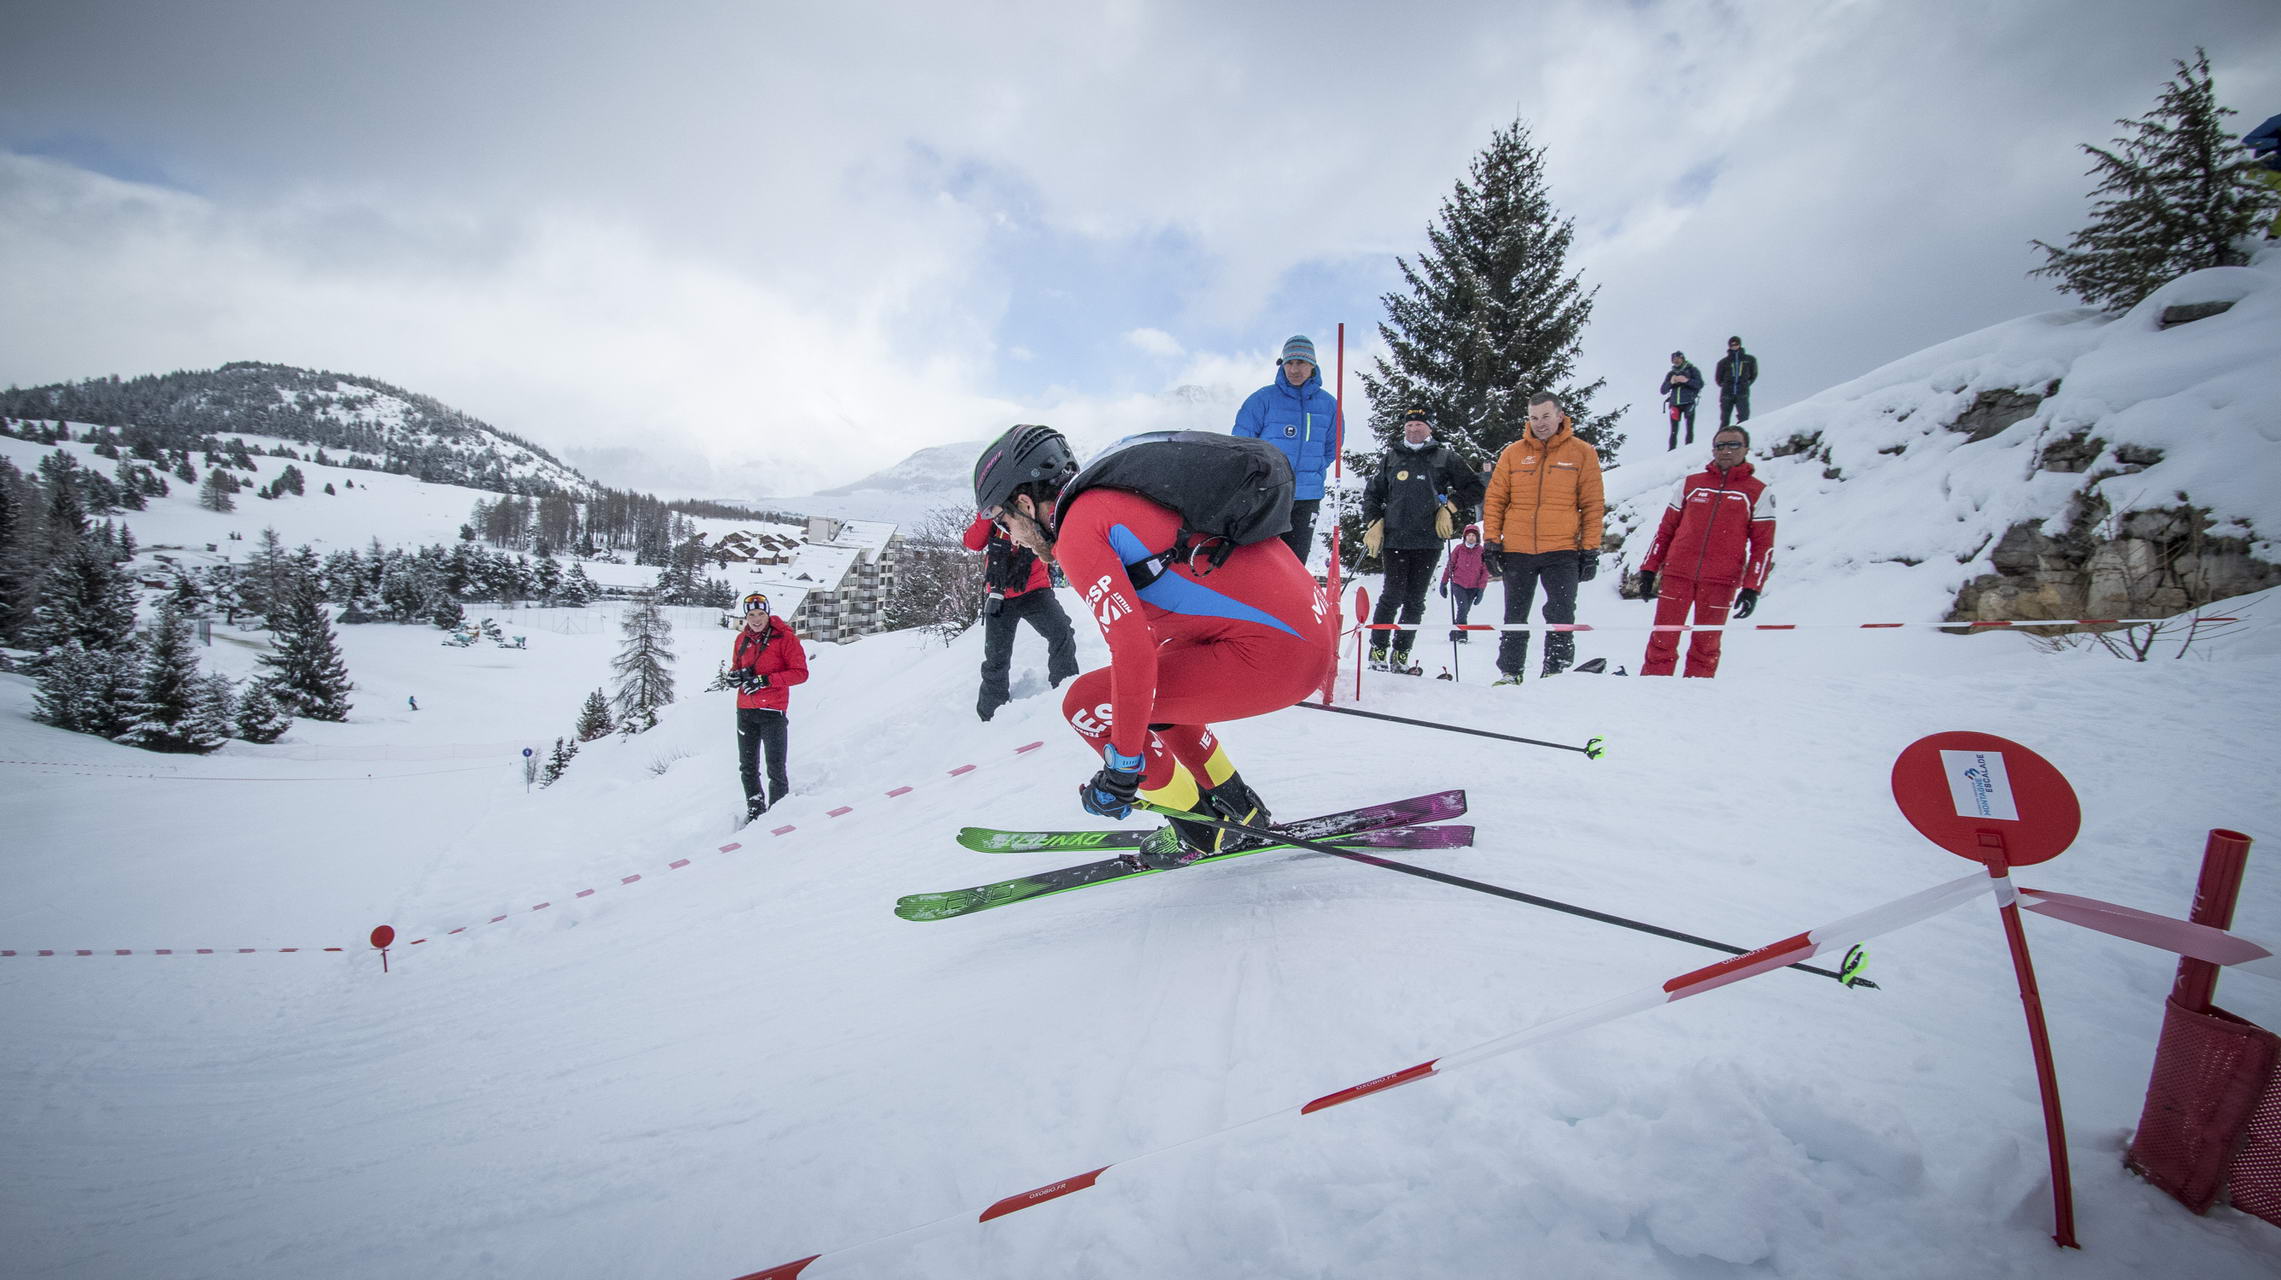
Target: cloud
x,y
811,240
1155,342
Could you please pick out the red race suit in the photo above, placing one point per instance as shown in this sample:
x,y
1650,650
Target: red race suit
x,y
1717,537
1194,646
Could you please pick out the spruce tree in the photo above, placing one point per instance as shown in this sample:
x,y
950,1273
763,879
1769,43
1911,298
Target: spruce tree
x,y
557,761
162,702
85,690
1493,315
214,494
259,718
307,675
645,682
2176,193
214,708
85,599
594,718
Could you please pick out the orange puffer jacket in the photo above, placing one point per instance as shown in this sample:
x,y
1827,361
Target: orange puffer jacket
x,y
1545,495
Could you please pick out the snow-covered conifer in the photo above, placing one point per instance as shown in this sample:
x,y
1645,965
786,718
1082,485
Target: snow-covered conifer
x,y
2176,194
259,718
643,667
308,676
161,701
594,718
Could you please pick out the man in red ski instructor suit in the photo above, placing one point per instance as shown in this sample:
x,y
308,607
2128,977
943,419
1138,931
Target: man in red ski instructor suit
x,y
1711,553
1189,643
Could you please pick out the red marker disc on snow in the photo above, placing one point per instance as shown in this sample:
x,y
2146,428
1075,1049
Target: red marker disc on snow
x,y
383,936
1955,788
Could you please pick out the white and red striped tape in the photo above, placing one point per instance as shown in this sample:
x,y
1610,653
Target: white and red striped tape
x,y
2180,937
635,878
1430,625
1854,928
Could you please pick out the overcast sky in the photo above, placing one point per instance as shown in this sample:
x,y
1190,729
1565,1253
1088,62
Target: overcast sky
x,y
821,236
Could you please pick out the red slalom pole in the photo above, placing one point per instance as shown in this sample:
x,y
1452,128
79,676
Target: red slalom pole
x,y
1993,854
2224,856
1361,637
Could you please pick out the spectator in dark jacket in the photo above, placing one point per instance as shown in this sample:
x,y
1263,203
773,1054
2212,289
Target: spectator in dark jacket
x,y
1735,374
1712,552
765,662
1409,508
1680,388
1469,575
1296,415
1017,588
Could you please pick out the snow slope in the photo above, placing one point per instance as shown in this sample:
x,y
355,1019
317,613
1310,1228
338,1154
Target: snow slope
x,y
748,1059
621,1049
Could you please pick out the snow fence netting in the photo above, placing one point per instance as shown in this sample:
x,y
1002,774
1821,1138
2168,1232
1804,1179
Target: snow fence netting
x,y
2212,1123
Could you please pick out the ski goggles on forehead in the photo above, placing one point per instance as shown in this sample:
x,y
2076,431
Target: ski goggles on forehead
x,y
756,603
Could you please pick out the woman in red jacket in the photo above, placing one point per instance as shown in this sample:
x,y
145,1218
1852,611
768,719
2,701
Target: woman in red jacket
x,y
765,663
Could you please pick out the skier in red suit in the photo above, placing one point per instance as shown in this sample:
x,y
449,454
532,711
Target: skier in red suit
x,y
1189,644
1712,552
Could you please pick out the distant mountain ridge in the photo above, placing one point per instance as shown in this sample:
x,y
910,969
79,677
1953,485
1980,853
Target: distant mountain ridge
x,y
383,426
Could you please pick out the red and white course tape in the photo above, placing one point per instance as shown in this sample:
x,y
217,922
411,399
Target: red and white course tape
x,y
1858,927
1789,626
634,878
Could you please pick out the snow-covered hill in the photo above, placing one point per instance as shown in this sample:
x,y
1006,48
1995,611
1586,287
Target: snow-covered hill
x,y
1899,487
355,417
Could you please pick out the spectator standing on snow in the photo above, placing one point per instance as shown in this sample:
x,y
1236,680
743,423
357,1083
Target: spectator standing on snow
x,y
1681,386
1198,632
1296,415
1541,526
1018,588
1735,374
1712,552
1409,509
765,662
1469,576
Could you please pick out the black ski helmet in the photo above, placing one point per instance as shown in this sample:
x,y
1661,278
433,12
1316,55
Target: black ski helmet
x,y
1026,453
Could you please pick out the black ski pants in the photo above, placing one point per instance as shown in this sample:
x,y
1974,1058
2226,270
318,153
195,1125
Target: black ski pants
x,y
1300,537
1685,414
1044,614
1736,405
759,727
1556,570
1408,574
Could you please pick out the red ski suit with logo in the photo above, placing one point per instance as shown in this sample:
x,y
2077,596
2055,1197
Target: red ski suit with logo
x,y
1196,645
1717,537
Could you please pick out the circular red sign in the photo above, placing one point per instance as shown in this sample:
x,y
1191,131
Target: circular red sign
x,y
1986,798
383,935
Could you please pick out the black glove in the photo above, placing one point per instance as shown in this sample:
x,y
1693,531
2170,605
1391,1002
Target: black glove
x,y
1110,792
751,681
1493,558
1445,588
1647,584
1745,601
1587,565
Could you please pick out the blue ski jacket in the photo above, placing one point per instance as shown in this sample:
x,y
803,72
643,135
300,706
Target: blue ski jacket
x,y
1302,421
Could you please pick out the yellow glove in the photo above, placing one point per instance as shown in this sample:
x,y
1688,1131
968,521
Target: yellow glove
x,y
1445,521
1374,538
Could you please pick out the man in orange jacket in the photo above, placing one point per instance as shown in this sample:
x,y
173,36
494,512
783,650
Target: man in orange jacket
x,y
1541,521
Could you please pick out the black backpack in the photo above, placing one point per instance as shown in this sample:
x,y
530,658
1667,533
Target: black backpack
x,y
1229,492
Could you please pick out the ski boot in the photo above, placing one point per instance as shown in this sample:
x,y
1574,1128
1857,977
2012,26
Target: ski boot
x,y
1378,658
1506,679
1184,840
1400,664
754,806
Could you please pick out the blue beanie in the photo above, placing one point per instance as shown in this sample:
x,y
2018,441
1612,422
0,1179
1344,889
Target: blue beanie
x,y
1300,347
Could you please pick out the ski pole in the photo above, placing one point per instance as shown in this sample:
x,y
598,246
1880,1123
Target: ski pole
x,y
1500,891
1592,749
